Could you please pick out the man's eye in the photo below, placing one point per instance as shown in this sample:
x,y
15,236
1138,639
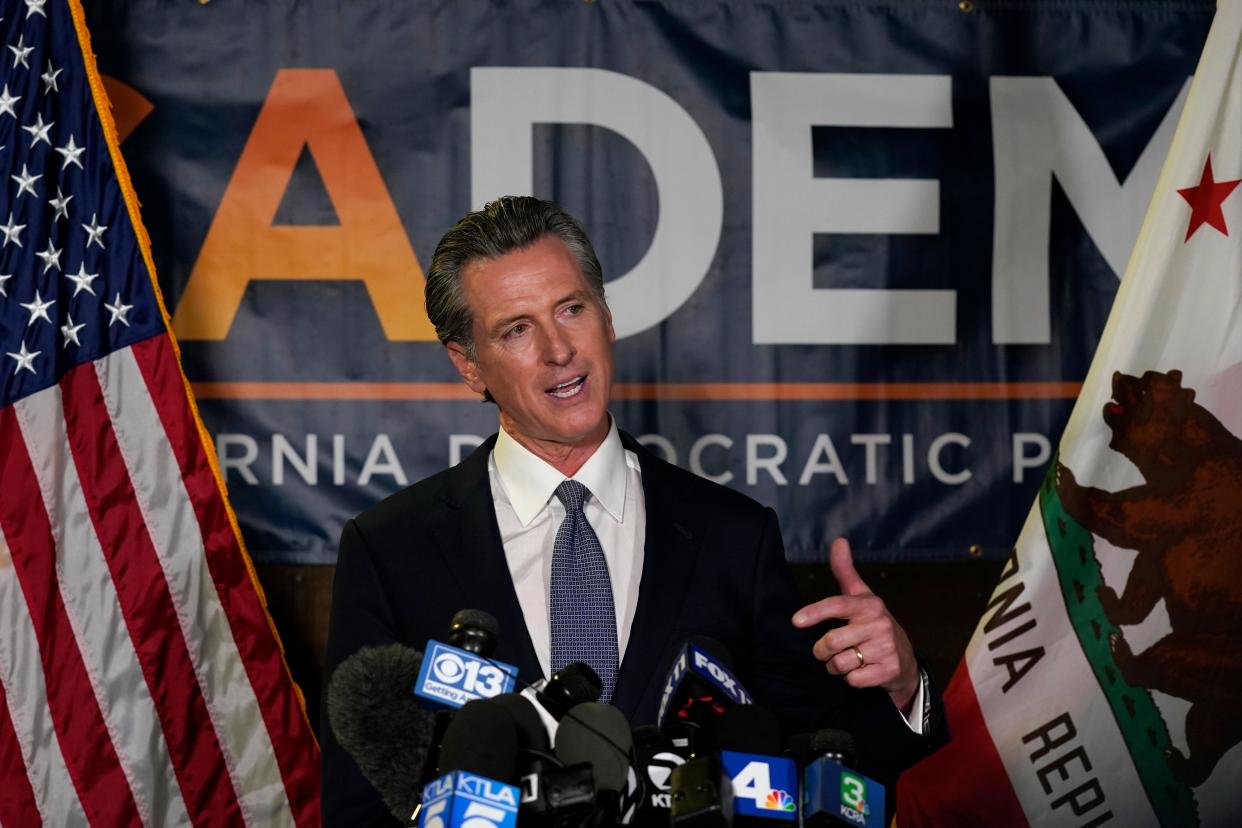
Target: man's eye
x,y
574,310
516,330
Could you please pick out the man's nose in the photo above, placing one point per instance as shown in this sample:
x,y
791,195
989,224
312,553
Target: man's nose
x,y
558,347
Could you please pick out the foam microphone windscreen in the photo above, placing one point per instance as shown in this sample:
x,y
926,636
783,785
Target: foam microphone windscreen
x,y
376,717
807,747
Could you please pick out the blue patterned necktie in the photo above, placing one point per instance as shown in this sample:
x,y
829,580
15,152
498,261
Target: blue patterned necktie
x,y
584,621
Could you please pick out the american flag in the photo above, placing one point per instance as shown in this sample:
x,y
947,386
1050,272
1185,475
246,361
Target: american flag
x,y
141,681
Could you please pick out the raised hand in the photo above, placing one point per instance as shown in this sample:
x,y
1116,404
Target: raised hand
x,y
871,649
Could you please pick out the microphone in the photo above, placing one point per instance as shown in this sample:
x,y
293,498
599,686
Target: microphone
x,y
552,698
463,670
551,794
458,672
478,762
699,688
656,758
832,794
765,785
380,723
599,735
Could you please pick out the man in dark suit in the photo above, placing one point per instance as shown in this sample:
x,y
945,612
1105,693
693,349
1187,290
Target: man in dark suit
x,y
583,544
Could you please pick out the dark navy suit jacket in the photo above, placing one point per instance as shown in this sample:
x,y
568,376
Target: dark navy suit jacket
x,y
713,565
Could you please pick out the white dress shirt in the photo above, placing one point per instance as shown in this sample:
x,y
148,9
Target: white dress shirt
x,y
529,515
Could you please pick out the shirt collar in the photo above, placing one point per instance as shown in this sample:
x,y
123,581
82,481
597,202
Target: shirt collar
x,y
530,482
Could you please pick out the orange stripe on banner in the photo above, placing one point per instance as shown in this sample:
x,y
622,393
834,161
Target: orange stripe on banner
x,y
91,758
147,604
706,391
287,726
17,803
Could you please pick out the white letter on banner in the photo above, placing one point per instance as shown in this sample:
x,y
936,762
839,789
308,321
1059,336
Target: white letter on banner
x,y
1021,460
771,463
938,471
241,465
506,103
791,206
382,459
1036,134
283,452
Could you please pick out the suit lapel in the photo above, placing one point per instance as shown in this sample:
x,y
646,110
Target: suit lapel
x,y
469,539
668,563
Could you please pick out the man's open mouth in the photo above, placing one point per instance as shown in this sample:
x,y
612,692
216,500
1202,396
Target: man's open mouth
x,y
567,389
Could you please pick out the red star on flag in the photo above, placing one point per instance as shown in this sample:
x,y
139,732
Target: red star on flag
x,y
1205,201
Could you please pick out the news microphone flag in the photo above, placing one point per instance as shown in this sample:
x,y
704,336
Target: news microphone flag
x,y
467,800
1102,684
450,676
141,680
763,786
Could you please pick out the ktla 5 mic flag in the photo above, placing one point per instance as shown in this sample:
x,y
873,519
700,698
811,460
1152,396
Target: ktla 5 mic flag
x,y
1103,685
141,681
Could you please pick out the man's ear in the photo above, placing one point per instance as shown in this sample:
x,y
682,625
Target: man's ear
x,y
465,366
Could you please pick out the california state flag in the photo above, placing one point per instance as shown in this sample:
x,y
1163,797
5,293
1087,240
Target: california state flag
x,y
1103,685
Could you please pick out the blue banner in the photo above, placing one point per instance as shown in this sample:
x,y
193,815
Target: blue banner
x,y
858,253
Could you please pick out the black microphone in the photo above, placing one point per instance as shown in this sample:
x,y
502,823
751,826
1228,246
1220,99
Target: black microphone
x,y
574,684
699,688
832,793
478,766
474,631
380,723
482,739
551,794
764,783
656,757
599,735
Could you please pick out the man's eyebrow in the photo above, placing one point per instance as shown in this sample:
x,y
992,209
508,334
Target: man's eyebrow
x,y
575,296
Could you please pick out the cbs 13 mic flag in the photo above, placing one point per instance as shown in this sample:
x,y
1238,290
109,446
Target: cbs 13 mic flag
x,y
141,680
1103,685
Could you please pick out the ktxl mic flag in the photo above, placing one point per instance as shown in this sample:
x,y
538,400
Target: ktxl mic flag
x,y
141,681
1103,685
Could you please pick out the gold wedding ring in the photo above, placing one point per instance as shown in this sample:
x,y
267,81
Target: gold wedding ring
x,y
862,662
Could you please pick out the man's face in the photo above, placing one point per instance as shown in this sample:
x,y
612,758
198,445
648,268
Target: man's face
x,y
543,347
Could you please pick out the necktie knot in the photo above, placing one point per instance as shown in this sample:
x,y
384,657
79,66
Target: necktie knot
x,y
573,495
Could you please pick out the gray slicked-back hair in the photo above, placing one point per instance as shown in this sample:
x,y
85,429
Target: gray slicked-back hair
x,y
507,224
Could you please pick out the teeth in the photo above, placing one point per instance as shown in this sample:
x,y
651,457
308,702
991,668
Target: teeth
x,y
566,389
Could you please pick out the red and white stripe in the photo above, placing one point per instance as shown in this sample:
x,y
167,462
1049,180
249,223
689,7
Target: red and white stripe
x,y
160,696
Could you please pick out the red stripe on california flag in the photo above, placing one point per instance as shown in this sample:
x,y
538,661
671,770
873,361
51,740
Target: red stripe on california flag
x,y
273,687
965,782
147,604
92,761
17,800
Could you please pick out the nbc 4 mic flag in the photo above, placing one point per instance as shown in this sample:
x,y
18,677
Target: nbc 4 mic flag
x,y
141,680
1102,685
